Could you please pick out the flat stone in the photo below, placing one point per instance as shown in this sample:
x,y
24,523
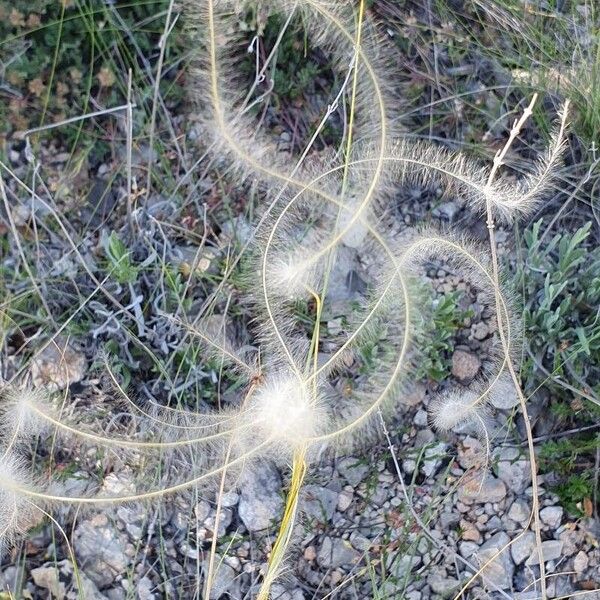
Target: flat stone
x,y
467,549
318,502
514,470
519,511
223,578
470,533
344,501
281,592
441,584
465,366
433,457
448,519
420,418
474,489
499,572
336,552
552,516
580,562
261,498
480,330
551,550
144,589
400,566
352,469
503,394
102,551
58,578
522,547
446,210
471,453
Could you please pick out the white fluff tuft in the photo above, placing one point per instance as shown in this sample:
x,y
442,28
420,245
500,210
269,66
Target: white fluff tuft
x,y
290,277
285,410
17,513
455,408
21,413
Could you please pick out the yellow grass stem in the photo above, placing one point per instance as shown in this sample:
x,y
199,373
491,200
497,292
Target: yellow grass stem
x,y
284,535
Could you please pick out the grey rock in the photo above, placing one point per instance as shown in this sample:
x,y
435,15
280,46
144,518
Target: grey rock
x,y
561,587
420,418
490,489
471,453
357,231
499,572
281,592
133,516
522,547
223,578
573,540
400,565
59,580
449,519
336,552
580,562
467,549
423,437
344,500
102,551
202,510
552,516
519,511
261,499
480,330
441,584
513,470
551,550
360,542
409,465
229,499
503,394
415,396
345,262
225,518
465,366
494,523
352,469
433,458
318,502
144,589
9,579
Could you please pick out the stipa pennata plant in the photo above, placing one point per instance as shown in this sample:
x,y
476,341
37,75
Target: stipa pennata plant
x,y
290,409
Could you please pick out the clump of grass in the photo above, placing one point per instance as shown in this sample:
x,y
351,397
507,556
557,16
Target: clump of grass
x,y
284,406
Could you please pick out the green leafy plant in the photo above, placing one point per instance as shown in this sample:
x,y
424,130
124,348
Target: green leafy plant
x,y
560,282
436,336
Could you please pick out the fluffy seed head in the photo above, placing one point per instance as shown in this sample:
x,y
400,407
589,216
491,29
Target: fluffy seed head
x,y
285,410
455,408
17,513
20,413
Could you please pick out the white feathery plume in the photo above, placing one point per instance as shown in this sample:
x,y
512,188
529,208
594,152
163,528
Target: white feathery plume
x,y
21,413
17,513
457,407
286,410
